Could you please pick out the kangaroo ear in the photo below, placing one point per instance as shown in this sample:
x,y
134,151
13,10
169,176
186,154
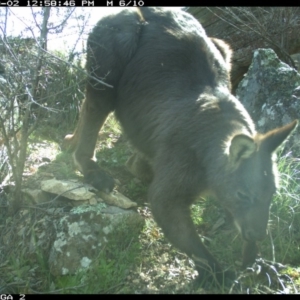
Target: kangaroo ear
x,y
274,138
241,147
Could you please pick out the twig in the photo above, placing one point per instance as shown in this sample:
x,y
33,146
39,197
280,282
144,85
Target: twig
x,y
112,287
35,207
77,187
73,66
60,290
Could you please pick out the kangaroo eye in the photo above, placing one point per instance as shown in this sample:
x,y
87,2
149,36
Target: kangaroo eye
x,y
245,199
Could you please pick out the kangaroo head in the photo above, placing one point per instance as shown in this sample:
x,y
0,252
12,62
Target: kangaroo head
x,y
247,190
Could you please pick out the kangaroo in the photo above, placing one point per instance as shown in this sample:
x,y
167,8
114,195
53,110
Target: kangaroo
x,y
172,95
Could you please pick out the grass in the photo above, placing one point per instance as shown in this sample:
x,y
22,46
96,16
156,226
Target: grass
x,y
285,213
109,272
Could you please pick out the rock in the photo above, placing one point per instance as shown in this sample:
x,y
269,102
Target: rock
x,y
117,199
82,192
71,190
93,201
270,91
79,236
82,234
38,196
79,202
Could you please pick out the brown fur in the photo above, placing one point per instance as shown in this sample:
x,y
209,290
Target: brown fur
x,y
172,97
